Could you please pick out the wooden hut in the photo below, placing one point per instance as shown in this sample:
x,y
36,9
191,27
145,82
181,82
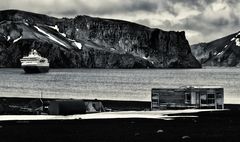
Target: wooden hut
x,y
211,97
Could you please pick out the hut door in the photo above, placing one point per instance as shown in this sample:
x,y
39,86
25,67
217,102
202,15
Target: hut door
x,y
155,101
193,98
198,99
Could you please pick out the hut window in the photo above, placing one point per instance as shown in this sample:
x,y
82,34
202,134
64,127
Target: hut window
x,y
155,97
210,98
219,95
203,98
187,98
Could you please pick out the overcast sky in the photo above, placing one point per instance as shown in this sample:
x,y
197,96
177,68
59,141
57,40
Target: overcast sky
x,y
202,20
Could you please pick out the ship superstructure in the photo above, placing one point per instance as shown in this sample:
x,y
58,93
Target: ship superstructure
x,y
34,63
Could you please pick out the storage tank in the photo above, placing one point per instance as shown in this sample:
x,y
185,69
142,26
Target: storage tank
x,y
66,107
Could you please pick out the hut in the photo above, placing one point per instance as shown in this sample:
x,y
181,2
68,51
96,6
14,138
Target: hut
x,y
210,97
66,107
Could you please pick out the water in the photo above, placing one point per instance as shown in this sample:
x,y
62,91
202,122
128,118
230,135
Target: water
x,y
109,84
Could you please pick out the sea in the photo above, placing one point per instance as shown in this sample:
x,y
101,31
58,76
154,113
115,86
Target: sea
x,y
114,84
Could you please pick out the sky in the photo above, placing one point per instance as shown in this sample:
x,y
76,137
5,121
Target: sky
x,y
202,20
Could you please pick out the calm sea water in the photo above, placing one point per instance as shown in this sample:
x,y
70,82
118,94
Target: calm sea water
x,y
125,84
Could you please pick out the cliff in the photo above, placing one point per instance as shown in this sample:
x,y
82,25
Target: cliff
x,y
87,42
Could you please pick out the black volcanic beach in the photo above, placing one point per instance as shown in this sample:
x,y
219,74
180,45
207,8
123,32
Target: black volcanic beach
x,y
222,126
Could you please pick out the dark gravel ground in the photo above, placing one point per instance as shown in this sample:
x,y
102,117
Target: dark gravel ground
x,y
221,126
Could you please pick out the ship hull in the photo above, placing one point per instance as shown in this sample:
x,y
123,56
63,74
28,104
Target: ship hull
x,y
35,69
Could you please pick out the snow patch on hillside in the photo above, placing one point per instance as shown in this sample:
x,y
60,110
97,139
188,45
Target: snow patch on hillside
x,y
17,39
237,34
237,42
79,45
8,38
220,53
145,58
70,39
75,43
88,26
57,29
112,49
233,39
26,23
63,34
49,36
54,27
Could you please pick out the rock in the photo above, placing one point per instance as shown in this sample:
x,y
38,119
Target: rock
x,y
105,43
159,131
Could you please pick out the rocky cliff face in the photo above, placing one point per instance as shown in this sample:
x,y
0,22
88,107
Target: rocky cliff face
x,y
90,42
221,52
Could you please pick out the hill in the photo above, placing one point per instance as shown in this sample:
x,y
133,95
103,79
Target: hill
x,y
221,52
88,42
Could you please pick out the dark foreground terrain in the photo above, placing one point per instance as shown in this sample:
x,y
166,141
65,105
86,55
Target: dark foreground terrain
x,y
221,126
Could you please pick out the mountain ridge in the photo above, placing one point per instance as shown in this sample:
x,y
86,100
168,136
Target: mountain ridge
x,y
224,51
88,42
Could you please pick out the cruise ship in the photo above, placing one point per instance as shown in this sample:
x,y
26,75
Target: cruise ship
x,y
34,63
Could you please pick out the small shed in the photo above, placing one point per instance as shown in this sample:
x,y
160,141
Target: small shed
x,y
210,97
66,107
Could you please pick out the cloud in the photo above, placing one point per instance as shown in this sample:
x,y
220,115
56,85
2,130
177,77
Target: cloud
x,y
72,7
203,20
208,20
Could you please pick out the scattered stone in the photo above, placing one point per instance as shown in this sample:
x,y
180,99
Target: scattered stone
x,y
185,137
160,131
136,134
